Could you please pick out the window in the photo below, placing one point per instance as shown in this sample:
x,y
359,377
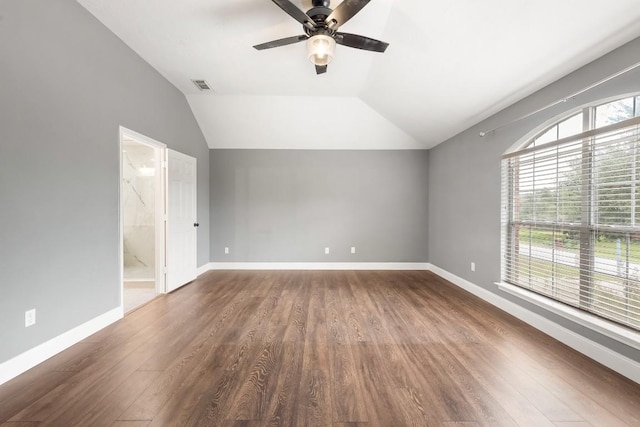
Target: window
x,y
571,212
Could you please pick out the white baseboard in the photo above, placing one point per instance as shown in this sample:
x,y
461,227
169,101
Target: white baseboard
x,y
318,266
30,358
204,268
611,359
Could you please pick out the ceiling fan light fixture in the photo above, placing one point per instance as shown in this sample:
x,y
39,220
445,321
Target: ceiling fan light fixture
x,y
320,49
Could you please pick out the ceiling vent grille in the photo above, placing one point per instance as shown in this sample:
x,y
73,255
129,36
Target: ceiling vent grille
x,y
202,85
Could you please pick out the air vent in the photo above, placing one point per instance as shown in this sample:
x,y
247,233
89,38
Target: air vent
x,y
202,85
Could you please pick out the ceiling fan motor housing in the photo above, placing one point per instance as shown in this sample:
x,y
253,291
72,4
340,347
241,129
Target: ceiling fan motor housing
x,y
319,15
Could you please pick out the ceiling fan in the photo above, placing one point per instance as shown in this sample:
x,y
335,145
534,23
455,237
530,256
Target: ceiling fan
x,y
320,25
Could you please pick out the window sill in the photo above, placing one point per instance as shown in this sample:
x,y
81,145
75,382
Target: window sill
x,y
605,327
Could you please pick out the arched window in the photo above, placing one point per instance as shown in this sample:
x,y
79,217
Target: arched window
x,y
571,212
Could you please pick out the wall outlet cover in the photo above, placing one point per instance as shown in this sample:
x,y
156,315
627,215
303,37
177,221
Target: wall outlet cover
x,y
29,317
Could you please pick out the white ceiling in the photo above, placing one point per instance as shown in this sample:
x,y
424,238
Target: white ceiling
x,y
449,65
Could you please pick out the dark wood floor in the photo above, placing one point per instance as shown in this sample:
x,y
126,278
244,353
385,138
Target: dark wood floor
x,y
319,349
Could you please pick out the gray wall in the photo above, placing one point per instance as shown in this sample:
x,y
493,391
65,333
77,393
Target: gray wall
x,y
464,178
66,84
288,205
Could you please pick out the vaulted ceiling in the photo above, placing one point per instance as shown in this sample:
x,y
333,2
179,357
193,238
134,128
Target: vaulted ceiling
x,y
450,64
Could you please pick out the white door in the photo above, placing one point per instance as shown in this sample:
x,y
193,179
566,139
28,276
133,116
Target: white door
x,y
182,220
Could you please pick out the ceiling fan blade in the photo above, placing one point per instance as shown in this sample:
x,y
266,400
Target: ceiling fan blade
x,y
295,13
360,42
345,11
321,69
281,42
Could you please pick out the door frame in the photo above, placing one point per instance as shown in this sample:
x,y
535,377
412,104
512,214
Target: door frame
x,y
160,150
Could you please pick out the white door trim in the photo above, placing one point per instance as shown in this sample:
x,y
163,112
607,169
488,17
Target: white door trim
x,y
160,217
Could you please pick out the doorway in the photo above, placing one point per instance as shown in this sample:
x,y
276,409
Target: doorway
x,y
142,206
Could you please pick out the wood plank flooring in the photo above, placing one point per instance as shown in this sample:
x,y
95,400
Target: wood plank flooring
x,y
319,348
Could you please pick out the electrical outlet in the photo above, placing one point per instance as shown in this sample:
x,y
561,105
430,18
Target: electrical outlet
x,y
226,250
29,317
473,266
326,250
353,249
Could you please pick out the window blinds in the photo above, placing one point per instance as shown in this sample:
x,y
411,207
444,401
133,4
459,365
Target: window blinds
x,y
571,221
